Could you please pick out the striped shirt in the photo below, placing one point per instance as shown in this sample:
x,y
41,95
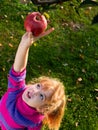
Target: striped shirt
x,y
14,113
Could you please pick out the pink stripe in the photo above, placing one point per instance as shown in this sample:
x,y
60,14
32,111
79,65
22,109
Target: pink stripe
x,y
3,128
28,112
6,114
17,73
12,82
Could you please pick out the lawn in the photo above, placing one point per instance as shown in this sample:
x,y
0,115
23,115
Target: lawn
x,y
69,53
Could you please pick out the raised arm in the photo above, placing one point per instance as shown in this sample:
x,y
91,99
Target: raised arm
x,y
21,57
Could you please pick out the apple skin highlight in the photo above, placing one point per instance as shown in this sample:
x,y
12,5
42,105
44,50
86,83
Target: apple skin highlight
x,y
36,23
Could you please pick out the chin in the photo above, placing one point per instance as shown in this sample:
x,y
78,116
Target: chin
x,y
24,97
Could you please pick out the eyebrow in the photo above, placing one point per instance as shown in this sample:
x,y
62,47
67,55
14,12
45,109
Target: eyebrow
x,y
45,96
45,89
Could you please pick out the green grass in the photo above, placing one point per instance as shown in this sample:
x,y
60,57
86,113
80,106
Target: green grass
x,y
68,53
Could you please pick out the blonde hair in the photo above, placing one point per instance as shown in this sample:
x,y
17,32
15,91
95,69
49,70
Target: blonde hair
x,y
56,102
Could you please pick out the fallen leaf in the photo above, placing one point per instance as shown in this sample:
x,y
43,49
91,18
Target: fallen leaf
x,y
46,15
35,44
62,7
69,100
83,70
22,16
76,124
11,37
81,56
3,69
79,79
10,45
96,89
5,16
96,98
1,45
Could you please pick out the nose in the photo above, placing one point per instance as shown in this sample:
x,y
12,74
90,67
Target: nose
x,y
34,92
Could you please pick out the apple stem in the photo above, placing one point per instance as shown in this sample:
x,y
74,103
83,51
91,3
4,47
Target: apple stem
x,y
38,18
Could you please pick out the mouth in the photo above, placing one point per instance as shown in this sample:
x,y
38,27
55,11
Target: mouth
x,y
29,95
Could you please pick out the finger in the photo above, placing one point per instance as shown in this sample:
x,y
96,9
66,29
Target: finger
x,y
24,34
46,33
30,35
42,35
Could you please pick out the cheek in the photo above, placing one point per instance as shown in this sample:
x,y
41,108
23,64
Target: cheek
x,y
36,99
24,93
24,97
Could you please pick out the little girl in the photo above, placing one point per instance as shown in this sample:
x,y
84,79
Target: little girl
x,y
28,107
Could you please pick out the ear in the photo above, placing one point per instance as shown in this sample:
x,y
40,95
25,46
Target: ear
x,y
43,109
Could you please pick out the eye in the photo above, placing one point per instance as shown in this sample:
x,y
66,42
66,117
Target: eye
x,y
41,96
38,86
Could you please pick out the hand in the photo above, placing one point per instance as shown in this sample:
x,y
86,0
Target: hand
x,y
42,34
28,39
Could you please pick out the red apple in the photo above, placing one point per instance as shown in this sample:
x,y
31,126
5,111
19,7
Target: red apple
x,y
35,23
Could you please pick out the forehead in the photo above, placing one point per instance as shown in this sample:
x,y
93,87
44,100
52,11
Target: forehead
x,y
48,93
47,84
47,90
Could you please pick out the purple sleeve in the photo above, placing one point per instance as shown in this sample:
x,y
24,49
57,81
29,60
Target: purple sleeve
x,y
16,80
36,128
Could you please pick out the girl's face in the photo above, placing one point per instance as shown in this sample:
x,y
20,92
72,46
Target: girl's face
x,y
35,96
